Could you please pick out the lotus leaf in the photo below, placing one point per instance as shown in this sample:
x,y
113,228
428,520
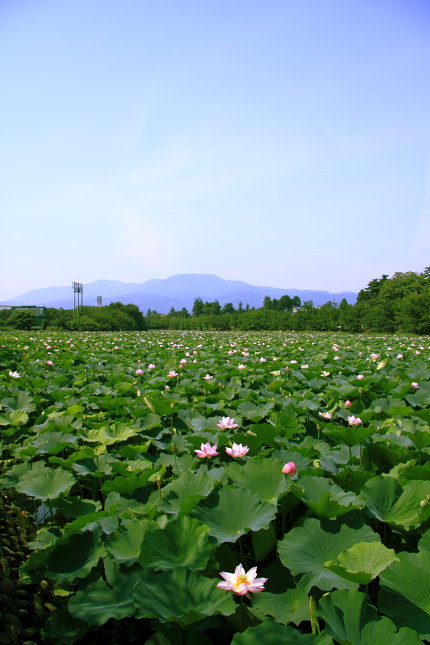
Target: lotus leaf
x,y
362,562
182,543
306,549
349,619
233,512
181,596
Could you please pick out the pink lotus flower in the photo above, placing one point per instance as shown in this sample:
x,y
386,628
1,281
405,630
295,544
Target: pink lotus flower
x,y
348,403
208,377
415,386
324,373
49,363
360,377
151,366
139,371
289,468
206,450
241,366
14,374
172,374
240,582
227,423
354,421
325,415
399,356
237,450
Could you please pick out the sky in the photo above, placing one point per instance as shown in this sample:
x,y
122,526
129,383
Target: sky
x,y
284,143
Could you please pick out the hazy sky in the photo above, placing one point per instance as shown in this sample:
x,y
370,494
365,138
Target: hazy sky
x,y
284,143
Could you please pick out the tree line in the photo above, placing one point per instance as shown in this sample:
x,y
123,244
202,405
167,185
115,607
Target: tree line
x,y
397,304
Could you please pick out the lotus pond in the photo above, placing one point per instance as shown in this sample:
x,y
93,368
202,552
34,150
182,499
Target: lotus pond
x,y
243,488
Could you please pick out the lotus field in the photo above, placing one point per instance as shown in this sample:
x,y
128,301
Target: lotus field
x,y
243,488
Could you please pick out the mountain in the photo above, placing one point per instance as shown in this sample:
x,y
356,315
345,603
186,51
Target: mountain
x,y
177,291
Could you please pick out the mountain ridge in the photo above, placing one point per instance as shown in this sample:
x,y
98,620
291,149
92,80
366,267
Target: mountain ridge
x,y
177,291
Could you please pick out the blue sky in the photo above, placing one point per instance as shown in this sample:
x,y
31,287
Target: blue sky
x,y
280,142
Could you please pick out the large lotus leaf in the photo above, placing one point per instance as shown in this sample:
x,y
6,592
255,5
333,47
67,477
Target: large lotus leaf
x,y
182,543
125,543
21,402
181,596
89,465
62,629
13,418
404,613
286,425
233,512
108,435
254,412
74,556
349,619
127,485
74,507
99,521
362,562
268,633
292,606
386,501
98,602
419,435
410,578
11,477
262,475
45,483
306,549
351,436
325,498
421,397
188,489
53,442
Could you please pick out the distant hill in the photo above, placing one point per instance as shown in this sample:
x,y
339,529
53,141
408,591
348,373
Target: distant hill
x,y
177,291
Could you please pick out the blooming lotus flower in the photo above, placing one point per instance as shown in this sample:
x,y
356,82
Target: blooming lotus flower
x,y
289,468
360,377
324,373
14,374
227,423
151,366
172,374
206,450
240,582
399,356
348,403
325,415
237,450
354,421
241,366
208,377
415,386
139,371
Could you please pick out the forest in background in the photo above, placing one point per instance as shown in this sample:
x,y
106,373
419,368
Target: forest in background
x,y
400,303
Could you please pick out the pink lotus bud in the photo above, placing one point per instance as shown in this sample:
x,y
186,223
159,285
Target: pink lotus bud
x,y
348,403
289,468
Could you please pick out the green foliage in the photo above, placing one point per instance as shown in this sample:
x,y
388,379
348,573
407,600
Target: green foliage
x,y
133,529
